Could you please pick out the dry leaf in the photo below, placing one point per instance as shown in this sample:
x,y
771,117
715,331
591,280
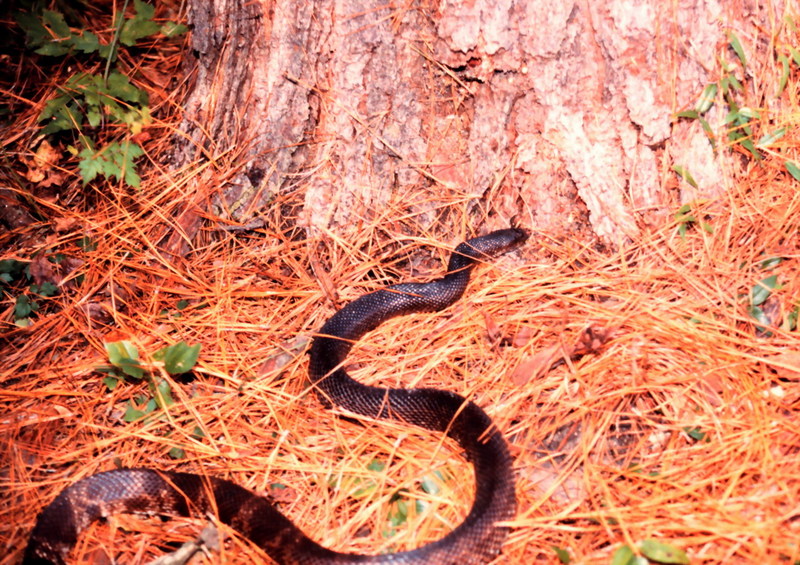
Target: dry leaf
x,y
64,224
493,331
591,340
786,365
42,163
537,365
523,337
278,494
41,270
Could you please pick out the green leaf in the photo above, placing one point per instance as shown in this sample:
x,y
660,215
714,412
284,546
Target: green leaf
x,y
114,160
35,32
772,137
162,394
696,434
111,382
758,314
50,33
24,306
94,116
54,21
730,81
376,466
177,453
53,49
61,108
119,86
691,114
107,51
46,289
732,116
133,414
172,29
684,174
770,263
125,356
563,554
793,169
90,165
737,48
151,405
179,358
431,483
140,26
136,118
747,113
708,131
784,61
625,556
790,323
762,290
747,143
663,552
707,98
144,11
87,42
795,55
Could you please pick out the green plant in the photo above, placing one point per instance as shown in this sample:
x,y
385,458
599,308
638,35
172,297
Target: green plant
x,y
762,304
742,121
685,219
403,503
125,363
651,550
25,303
88,99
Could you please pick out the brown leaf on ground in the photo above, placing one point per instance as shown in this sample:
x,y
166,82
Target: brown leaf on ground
x,y
42,162
537,365
786,364
11,212
522,337
65,224
493,331
41,270
280,494
591,340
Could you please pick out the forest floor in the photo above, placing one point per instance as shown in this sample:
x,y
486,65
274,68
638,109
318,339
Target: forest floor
x,y
648,392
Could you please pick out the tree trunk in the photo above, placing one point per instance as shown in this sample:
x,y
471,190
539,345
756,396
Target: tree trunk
x,y
558,114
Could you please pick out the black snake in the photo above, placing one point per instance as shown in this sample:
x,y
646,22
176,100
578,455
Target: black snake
x,y
476,540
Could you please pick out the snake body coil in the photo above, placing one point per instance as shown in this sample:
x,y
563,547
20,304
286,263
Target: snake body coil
x,y
476,540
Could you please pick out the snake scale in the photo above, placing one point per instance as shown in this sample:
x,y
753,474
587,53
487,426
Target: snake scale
x,y
476,540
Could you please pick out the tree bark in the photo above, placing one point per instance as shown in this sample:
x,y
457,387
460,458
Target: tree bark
x,y
558,114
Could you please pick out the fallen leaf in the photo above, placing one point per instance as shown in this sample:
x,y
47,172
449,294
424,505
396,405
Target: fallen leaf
x,y
41,269
115,335
537,365
523,337
65,223
43,162
282,494
493,331
786,365
591,340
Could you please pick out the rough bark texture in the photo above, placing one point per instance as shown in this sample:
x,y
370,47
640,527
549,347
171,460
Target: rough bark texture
x,y
557,113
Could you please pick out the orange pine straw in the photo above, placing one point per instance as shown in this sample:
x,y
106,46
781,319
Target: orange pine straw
x,y
679,426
